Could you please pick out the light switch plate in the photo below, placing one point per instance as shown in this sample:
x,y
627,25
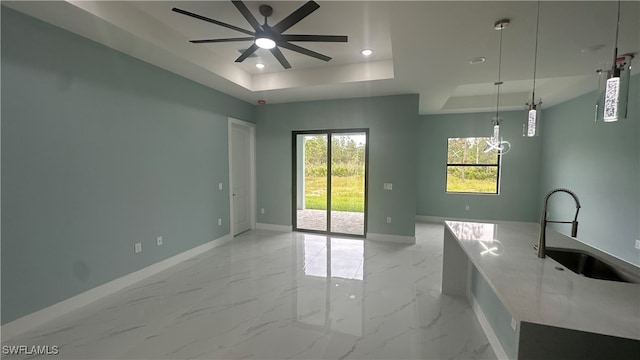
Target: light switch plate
x,y
513,324
138,247
387,186
219,186
638,244
159,240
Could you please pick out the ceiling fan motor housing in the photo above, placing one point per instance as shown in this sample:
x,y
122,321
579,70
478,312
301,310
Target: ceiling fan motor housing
x,y
270,37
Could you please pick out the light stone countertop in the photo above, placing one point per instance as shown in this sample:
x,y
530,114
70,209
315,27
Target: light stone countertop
x,y
533,290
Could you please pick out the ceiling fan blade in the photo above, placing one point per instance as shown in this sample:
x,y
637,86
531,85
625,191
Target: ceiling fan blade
x,y
278,54
247,53
304,51
295,16
247,15
317,38
205,41
220,23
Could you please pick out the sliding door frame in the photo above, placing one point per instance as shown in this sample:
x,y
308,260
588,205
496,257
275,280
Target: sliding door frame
x,y
294,174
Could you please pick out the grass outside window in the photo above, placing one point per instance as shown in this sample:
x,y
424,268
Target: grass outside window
x,y
470,169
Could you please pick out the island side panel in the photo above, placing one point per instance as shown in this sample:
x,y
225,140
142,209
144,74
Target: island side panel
x,y
455,267
496,314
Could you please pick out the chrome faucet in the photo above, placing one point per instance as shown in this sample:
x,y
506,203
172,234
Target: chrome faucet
x,y
541,245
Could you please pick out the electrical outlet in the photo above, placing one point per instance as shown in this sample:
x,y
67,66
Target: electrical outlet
x,y
388,219
219,222
637,244
513,324
219,186
262,211
159,240
466,207
137,247
387,186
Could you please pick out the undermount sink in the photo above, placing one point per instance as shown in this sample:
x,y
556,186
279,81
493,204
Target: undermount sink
x,y
585,264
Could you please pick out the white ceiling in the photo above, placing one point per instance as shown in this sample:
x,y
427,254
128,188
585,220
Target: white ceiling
x,y
420,47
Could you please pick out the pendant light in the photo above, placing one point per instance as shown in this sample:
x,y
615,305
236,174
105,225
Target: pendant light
x,y
530,128
613,98
496,142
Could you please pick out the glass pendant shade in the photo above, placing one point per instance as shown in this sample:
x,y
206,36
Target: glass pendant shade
x,y
611,100
613,91
530,129
495,142
496,133
531,122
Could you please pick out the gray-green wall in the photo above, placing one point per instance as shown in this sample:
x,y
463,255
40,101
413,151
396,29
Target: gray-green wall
x,y
99,151
600,162
392,123
520,169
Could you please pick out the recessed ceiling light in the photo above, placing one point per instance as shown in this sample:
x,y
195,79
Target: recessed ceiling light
x,y
260,66
477,60
366,52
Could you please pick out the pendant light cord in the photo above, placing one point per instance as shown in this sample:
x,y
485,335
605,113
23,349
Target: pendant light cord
x,y
615,51
499,82
535,57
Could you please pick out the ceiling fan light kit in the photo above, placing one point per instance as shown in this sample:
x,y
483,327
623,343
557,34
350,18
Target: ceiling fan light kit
x,y
265,43
269,37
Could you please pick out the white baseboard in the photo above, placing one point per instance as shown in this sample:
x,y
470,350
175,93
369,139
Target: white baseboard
x,y
491,336
38,318
274,227
392,238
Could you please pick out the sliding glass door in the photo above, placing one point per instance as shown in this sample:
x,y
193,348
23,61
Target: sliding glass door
x,y
329,178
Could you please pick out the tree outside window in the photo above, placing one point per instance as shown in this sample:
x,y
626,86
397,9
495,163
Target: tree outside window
x,y
470,169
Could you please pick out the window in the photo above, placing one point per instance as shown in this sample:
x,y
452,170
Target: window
x,y
470,169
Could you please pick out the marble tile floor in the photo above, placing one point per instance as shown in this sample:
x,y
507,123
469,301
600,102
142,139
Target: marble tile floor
x,y
270,295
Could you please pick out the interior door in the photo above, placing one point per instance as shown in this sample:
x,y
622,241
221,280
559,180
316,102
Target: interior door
x,y
240,163
329,181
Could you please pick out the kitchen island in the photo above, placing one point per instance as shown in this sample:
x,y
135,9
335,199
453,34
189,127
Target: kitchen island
x,y
533,308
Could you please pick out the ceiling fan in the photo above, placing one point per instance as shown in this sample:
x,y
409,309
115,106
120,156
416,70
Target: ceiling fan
x,y
270,37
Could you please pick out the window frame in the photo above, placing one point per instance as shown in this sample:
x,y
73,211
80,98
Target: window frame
x,y
497,165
